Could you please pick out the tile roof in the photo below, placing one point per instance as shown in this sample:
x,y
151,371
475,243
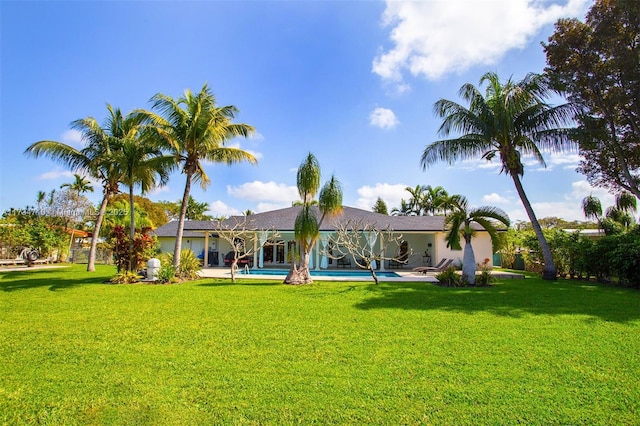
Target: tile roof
x,y
284,219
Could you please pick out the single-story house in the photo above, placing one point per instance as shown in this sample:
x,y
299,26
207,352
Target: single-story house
x,y
424,237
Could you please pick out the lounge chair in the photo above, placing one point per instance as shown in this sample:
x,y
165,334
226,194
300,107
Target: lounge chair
x,y
441,266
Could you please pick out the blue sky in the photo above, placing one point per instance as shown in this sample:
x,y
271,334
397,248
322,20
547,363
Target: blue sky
x,y
354,82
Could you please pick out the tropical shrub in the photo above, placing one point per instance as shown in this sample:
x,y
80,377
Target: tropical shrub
x,y
190,265
167,274
484,278
131,255
125,277
450,278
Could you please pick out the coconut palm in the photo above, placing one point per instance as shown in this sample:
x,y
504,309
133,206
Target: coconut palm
x,y
79,185
509,121
142,164
95,159
459,223
195,129
307,225
404,209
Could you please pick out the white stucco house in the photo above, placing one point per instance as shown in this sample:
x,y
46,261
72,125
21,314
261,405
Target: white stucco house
x,y
422,234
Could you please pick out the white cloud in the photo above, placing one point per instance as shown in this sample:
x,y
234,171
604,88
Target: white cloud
x,y
220,209
390,193
383,118
495,198
277,193
267,207
256,136
159,190
569,208
72,137
431,38
54,174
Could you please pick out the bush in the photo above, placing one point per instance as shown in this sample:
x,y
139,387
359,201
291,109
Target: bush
x,y
484,278
167,274
450,278
190,265
125,277
130,255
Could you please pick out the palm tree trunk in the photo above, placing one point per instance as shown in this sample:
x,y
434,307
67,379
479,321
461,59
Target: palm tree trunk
x,y
183,214
132,230
132,216
91,266
469,262
549,271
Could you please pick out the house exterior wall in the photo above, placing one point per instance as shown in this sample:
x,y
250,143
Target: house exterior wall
x,y
418,243
481,243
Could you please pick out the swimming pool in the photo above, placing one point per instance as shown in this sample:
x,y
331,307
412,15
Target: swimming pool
x,y
322,273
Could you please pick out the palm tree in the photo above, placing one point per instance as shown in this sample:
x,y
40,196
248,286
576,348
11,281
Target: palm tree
x,y
416,201
459,224
195,129
307,225
79,186
40,197
142,164
95,159
592,208
433,199
403,210
510,121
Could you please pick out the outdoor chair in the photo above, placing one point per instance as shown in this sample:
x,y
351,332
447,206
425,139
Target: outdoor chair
x,y
441,266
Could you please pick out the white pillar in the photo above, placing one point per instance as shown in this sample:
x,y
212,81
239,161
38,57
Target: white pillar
x,y
381,251
206,250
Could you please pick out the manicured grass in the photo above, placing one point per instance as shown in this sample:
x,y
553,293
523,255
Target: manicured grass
x,y
76,351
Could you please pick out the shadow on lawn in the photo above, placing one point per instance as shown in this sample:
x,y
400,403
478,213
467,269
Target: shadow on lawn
x,y
24,280
513,298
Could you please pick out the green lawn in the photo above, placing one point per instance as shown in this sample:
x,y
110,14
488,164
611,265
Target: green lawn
x,y
76,351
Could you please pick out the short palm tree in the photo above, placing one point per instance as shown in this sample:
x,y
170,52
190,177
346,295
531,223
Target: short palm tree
x,y
592,208
307,225
194,129
95,159
509,121
459,223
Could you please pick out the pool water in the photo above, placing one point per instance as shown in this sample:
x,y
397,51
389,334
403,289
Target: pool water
x,y
322,273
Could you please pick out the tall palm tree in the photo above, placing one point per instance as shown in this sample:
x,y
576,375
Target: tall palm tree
x,y
459,224
404,209
307,225
416,201
509,121
433,199
80,185
95,159
195,129
142,164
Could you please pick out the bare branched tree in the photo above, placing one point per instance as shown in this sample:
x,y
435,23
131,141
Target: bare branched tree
x,y
365,243
244,238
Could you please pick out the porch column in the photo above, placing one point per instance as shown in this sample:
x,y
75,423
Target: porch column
x,y
382,252
206,250
255,252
